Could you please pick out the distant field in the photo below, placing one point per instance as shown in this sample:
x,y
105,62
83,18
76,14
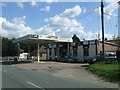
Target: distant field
x,y
107,69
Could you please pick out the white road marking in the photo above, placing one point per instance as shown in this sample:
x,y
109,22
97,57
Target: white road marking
x,y
35,85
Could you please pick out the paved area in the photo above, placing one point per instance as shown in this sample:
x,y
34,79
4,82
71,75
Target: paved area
x,y
16,77
74,71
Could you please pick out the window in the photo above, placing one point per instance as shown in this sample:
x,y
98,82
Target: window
x,y
86,51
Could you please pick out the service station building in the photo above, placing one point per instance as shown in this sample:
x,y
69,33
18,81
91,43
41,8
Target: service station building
x,y
59,48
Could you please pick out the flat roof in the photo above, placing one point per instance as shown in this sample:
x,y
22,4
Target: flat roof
x,y
34,38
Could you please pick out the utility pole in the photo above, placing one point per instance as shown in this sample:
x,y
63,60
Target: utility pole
x,y
102,19
18,44
18,48
118,18
28,52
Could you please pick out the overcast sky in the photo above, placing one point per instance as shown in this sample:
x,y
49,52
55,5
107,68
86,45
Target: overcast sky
x,y
61,19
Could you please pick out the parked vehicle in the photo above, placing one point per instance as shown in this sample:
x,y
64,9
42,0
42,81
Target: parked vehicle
x,y
99,57
15,58
95,59
69,59
110,55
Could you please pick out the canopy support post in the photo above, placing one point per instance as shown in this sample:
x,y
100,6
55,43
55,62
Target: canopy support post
x,y
38,53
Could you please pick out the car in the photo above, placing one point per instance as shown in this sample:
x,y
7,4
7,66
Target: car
x,y
99,57
95,59
110,55
21,57
16,58
69,59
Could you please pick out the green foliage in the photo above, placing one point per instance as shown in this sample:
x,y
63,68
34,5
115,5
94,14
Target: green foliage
x,y
8,47
108,69
106,39
11,49
5,46
24,47
75,38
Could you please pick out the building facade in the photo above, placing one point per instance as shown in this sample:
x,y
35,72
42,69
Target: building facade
x,y
79,52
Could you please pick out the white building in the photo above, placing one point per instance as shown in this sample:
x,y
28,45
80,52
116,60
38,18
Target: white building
x,y
79,52
23,56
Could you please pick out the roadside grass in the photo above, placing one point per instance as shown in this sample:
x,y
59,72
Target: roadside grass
x,y
107,69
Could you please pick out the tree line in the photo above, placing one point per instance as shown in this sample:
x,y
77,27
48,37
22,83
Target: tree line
x,y
8,47
13,49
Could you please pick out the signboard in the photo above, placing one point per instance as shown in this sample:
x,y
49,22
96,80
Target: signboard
x,y
33,36
42,37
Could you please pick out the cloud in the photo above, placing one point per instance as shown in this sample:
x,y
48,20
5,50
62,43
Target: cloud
x,y
67,32
109,9
47,8
20,20
46,20
65,27
109,36
20,5
58,25
45,30
49,1
15,29
98,10
1,21
33,3
84,10
58,21
9,29
72,12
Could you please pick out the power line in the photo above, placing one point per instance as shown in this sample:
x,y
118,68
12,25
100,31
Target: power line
x,y
111,15
83,16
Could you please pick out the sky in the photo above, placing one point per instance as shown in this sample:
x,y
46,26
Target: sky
x,y
63,19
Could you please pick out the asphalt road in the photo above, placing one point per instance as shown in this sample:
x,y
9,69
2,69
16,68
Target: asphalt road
x,y
14,77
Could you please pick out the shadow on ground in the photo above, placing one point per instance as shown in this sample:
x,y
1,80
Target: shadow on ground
x,y
11,62
15,62
84,66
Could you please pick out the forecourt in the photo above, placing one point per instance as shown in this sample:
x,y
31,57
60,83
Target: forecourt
x,y
37,39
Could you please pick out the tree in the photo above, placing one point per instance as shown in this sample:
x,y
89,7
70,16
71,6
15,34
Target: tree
x,y
8,47
12,49
75,38
106,39
5,46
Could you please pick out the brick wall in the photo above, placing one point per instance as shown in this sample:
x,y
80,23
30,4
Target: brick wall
x,y
108,47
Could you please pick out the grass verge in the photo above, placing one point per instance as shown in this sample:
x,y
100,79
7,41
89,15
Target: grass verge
x,y
107,69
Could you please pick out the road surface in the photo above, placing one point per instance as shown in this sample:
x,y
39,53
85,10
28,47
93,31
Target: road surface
x,y
15,77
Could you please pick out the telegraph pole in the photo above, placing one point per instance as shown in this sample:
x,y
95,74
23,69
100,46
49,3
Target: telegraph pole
x,y
118,18
102,19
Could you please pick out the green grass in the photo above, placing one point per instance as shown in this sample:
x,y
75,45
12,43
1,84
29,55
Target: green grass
x,y
107,69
